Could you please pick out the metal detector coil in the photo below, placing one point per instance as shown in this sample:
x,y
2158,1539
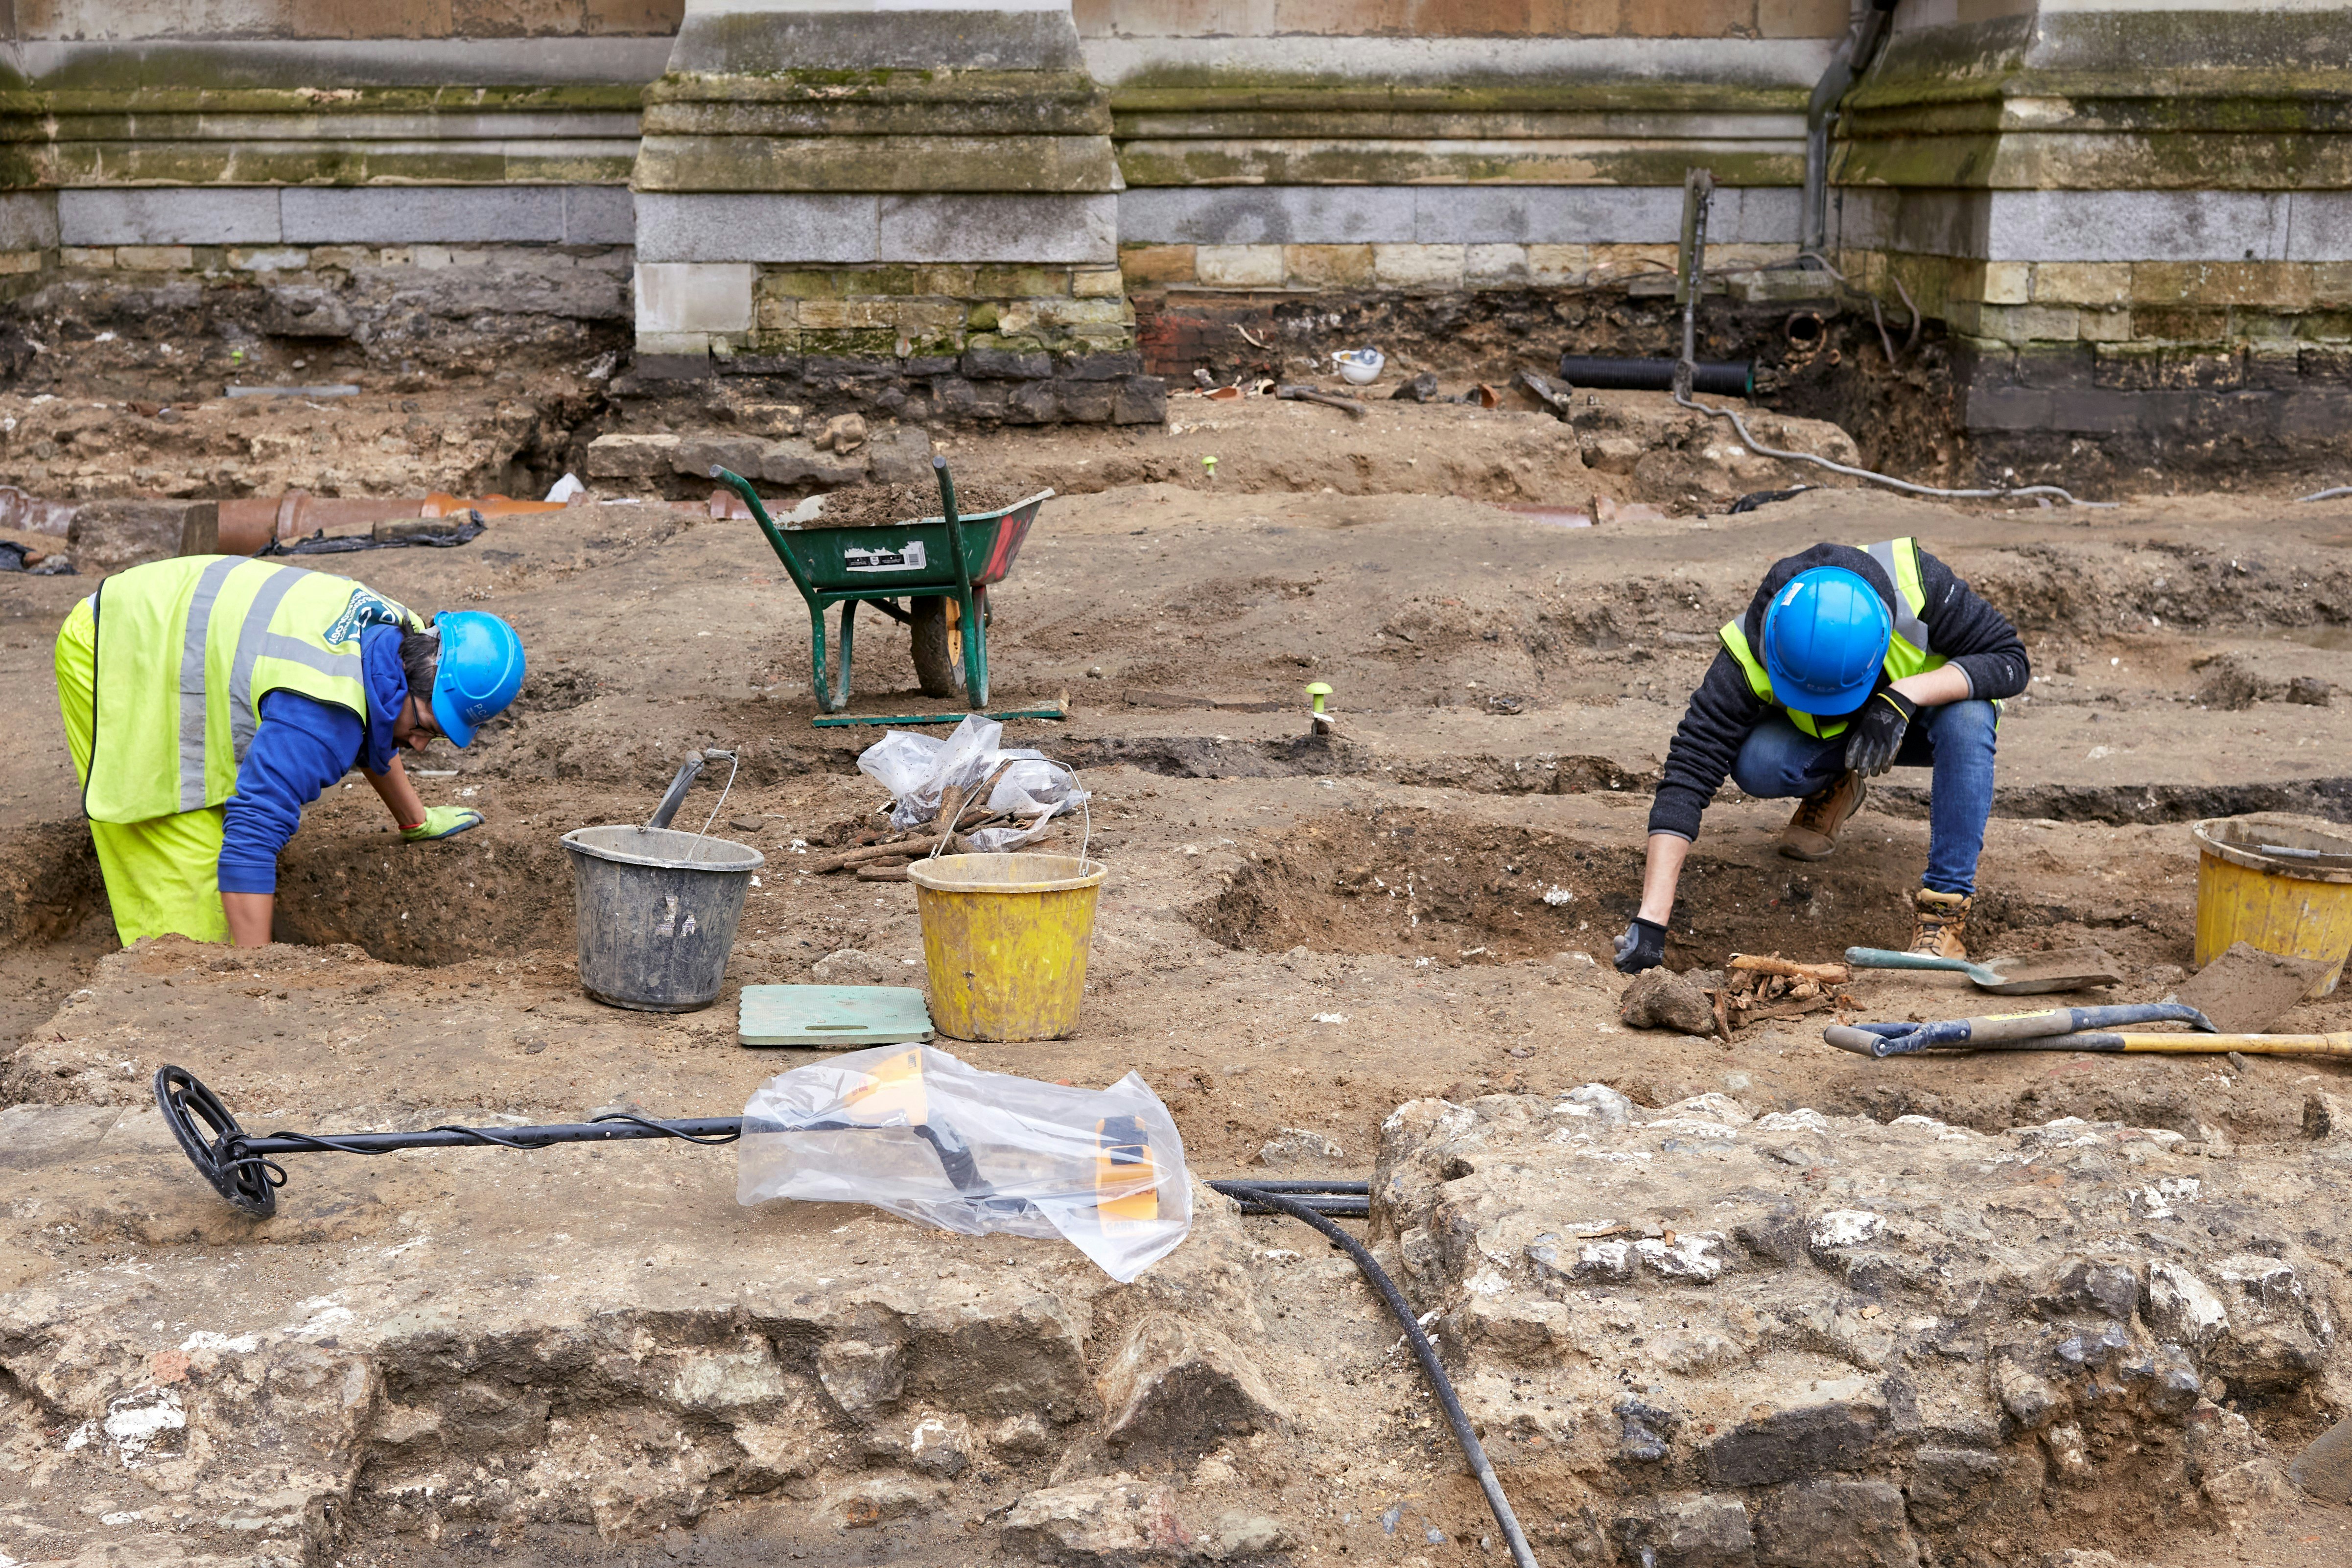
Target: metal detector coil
x,y
250,1183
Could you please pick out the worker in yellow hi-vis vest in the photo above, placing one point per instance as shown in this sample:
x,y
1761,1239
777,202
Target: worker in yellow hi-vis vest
x,y
1848,662
209,698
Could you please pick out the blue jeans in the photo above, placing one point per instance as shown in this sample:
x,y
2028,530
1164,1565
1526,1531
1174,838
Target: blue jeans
x,y
1780,761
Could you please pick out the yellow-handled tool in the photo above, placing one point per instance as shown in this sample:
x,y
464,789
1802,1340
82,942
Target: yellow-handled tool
x,y
1862,1041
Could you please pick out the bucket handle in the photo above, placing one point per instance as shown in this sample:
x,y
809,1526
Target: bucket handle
x,y
947,834
1086,812
733,762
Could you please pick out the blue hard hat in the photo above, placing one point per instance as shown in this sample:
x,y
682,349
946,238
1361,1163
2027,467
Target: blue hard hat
x,y
1825,639
479,671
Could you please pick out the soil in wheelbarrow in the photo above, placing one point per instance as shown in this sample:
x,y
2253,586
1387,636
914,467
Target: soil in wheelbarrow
x,y
875,506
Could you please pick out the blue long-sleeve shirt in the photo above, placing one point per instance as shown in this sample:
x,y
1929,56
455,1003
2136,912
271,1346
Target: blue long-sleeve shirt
x,y
300,748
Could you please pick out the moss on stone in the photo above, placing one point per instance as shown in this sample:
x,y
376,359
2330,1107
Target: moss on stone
x,y
1021,119
1034,164
874,341
961,86
1017,282
186,96
2133,100
836,282
2036,161
1343,162
1198,90
30,165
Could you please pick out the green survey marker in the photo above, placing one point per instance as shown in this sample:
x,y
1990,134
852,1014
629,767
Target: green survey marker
x,y
829,1018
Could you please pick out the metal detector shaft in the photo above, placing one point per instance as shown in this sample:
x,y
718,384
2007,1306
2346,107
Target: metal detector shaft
x,y
716,1129
244,1169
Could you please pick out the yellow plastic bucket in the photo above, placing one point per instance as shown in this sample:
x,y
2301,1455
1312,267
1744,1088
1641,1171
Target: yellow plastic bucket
x,y
1005,940
2278,904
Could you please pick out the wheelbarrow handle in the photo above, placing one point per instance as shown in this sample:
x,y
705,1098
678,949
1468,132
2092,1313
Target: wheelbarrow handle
x,y
969,602
742,486
955,531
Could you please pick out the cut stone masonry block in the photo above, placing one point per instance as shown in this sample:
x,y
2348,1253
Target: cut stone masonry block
x,y
697,296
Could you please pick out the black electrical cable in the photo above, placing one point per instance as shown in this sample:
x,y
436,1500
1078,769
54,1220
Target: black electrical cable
x,y
1338,1206
1345,1199
1265,1196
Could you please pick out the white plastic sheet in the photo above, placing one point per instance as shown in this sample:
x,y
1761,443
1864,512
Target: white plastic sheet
x,y
912,1130
918,769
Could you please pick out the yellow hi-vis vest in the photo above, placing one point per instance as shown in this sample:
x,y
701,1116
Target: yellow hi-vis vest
x,y
186,650
1907,653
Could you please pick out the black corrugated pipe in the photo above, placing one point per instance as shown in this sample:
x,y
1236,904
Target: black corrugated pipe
x,y
1723,378
1855,56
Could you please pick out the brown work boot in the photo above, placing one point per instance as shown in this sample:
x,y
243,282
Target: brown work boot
x,y
1942,925
1812,833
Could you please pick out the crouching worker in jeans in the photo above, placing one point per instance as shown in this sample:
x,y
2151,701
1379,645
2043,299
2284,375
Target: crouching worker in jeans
x,y
208,699
1849,661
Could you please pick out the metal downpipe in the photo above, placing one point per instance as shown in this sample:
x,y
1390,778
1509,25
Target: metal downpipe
x,y
1854,56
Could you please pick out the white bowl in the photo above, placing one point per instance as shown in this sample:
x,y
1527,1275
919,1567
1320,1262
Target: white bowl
x,y
1360,367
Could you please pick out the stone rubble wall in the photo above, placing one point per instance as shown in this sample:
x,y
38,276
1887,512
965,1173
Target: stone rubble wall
x,y
998,1395
1709,1336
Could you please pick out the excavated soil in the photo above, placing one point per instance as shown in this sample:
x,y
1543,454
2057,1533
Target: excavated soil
x,y
866,504
1299,935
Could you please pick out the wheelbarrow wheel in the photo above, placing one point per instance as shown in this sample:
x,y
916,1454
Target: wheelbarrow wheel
x,y
938,648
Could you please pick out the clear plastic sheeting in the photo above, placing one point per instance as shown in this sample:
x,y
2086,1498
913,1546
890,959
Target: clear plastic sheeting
x,y
912,1130
918,769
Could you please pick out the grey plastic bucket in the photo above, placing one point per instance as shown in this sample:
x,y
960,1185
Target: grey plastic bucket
x,y
656,912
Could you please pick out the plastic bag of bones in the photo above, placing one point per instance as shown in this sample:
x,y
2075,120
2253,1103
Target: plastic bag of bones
x,y
967,789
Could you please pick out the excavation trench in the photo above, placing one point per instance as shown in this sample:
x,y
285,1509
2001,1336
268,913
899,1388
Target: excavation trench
x,y
769,761
1413,881
502,889
1425,885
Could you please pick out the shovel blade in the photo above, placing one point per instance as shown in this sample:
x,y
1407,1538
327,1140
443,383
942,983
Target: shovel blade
x,y
2035,974
2324,1468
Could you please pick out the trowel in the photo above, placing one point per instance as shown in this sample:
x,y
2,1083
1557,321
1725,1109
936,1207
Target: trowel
x,y
2030,976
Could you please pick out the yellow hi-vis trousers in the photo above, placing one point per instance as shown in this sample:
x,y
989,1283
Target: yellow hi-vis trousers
x,y
163,876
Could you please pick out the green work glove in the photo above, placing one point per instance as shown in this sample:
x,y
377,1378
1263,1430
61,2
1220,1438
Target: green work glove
x,y
440,822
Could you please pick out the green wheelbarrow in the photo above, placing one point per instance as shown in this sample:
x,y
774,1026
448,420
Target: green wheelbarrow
x,y
940,566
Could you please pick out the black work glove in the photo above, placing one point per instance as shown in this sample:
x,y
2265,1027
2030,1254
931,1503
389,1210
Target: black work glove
x,y
1877,732
1643,946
